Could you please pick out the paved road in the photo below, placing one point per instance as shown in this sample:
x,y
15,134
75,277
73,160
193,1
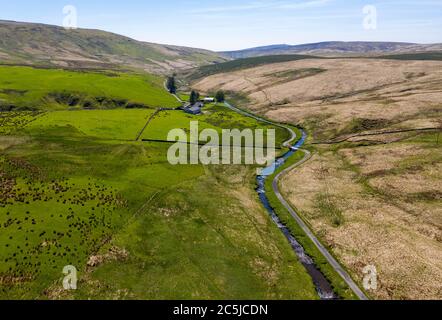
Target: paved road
x,y
250,115
173,94
331,260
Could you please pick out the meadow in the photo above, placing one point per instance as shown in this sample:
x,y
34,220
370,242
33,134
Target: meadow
x,y
77,189
116,124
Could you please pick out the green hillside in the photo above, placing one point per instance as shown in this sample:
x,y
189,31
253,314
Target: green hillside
x,y
26,88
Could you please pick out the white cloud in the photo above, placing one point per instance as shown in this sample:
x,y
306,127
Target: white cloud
x,y
265,5
306,4
249,6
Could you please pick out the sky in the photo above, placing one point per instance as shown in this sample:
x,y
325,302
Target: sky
x,y
238,24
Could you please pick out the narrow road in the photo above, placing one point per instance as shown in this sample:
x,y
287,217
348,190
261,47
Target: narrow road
x,y
173,94
331,260
250,115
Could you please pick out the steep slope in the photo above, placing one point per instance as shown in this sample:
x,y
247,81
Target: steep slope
x,y
45,45
335,48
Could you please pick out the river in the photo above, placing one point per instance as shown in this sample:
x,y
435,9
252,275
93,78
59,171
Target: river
x,y
322,285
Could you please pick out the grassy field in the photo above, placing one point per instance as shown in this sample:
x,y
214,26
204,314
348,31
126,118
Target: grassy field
x,y
28,88
77,189
215,117
117,124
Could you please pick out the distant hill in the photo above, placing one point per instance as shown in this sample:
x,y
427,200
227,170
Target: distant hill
x,y
335,48
251,62
240,64
46,45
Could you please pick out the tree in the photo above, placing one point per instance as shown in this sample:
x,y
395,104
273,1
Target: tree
x,y
220,96
171,85
194,97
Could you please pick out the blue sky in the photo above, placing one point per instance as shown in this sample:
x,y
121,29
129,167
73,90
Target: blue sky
x,y
236,24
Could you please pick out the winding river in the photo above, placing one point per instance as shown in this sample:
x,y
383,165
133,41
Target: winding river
x,y
322,285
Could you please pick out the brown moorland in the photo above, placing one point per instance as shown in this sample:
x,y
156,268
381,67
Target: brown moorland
x,y
371,192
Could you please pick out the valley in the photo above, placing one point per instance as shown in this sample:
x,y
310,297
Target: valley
x,y
78,189
86,181
370,190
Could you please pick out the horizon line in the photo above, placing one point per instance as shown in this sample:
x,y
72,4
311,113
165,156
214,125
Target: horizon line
x,y
221,51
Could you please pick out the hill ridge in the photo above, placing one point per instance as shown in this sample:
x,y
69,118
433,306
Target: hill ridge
x,y
49,45
330,48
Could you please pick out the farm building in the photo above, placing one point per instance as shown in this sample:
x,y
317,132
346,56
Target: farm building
x,y
194,108
209,99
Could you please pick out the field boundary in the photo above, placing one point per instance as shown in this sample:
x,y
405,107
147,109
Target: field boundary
x,y
152,116
203,144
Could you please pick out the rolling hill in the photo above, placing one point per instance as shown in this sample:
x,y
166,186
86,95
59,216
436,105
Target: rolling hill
x,y
46,45
334,48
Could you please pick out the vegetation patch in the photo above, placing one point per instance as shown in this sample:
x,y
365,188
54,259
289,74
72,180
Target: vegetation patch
x,y
435,56
215,116
292,75
328,207
46,225
86,102
240,64
117,124
12,122
359,125
13,92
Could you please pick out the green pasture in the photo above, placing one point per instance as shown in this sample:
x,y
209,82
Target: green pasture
x,y
76,187
31,88
214,116
117,124
75,184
